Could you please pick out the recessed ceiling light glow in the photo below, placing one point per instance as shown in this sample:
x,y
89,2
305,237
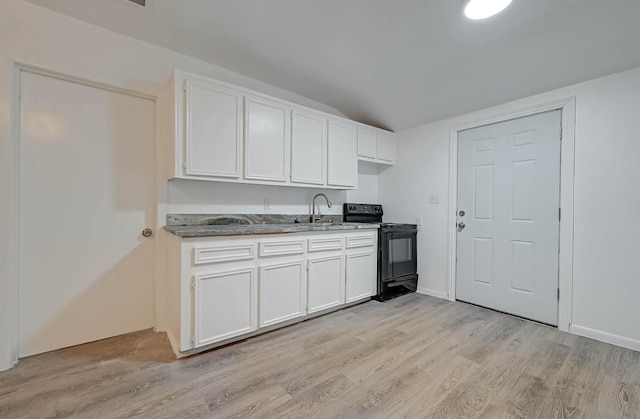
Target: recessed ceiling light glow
x,y
482,9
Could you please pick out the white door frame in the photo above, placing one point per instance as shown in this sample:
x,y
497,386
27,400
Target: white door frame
x,y
12,63
567,161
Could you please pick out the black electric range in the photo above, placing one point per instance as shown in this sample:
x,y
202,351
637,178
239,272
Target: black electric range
x,y
397,250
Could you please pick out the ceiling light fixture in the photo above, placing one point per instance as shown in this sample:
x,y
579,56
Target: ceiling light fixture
x,y
482,9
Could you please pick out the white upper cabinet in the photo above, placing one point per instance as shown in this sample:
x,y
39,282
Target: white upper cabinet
x,y
342,167
386,147
213,130
376,145
220,132
266,140
308,148
367,143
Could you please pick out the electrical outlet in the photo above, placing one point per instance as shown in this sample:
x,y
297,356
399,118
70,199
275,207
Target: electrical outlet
x,y
267,204
434,199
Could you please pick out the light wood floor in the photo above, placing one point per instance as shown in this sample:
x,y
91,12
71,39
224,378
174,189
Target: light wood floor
x,y
415,356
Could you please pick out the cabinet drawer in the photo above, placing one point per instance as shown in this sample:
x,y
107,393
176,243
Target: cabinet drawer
x,y
319,244
281,247
222,253
360,241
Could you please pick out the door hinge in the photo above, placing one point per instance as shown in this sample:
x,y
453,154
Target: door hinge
x,y
559,214
184,86
193,283
558,294
560,134
193,340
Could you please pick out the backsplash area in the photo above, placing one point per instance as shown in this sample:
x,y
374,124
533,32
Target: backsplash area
x,y
203,197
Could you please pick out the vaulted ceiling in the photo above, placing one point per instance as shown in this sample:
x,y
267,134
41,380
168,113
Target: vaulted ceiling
x,y
392,63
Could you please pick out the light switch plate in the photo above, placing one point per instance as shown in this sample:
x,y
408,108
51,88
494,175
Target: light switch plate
x,y
434,199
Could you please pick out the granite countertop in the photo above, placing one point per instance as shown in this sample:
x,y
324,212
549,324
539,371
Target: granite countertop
x,y
194,225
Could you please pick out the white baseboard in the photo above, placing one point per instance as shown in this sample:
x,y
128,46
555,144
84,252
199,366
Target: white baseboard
x,y
432,293
605,337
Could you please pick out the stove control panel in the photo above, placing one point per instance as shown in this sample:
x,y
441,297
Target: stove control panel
x,y
362,209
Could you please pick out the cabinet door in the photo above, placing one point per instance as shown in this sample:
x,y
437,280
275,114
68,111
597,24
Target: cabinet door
x,y
325,283
283,292
386,147
213,130
342,155
225,305
266,140
361,276
367,143
308,148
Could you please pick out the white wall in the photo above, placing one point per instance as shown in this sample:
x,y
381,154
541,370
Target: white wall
x,y
33,35
202,197
42,36
606,283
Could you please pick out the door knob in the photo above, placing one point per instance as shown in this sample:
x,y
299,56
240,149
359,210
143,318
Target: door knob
x,y
147,232
461,225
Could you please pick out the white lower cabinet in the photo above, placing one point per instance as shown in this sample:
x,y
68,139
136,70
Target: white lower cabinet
x,y
221,289
361,276
326,282
225,305
283,292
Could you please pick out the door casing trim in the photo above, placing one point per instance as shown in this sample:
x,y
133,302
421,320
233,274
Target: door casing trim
x,y
567,106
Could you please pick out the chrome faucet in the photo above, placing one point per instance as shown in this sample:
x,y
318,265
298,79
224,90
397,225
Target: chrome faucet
x,y
313,206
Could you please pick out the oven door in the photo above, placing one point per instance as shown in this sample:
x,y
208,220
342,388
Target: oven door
x,y
398,254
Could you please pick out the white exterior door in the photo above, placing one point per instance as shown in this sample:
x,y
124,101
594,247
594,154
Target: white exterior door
x,y
86,194
508,202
